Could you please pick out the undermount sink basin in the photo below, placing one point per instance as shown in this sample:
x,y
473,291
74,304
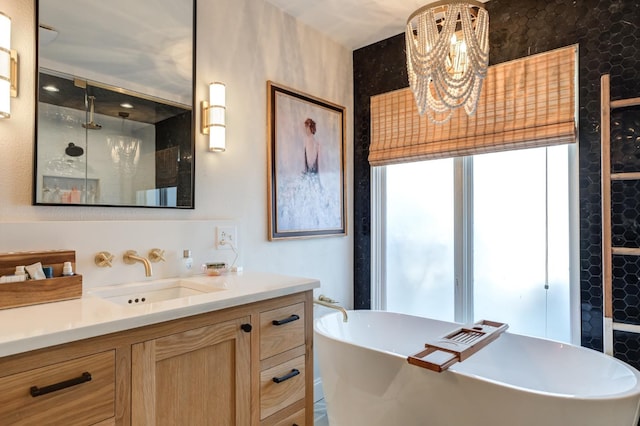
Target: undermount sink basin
x,y
152,292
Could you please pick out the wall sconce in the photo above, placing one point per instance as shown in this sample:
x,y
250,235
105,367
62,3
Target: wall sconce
x,y
213,117
8,67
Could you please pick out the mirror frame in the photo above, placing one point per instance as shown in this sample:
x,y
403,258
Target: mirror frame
x,y
192,141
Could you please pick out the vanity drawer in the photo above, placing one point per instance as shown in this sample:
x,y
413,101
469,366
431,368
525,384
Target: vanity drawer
x,y
296,419
281,329
281,386
77,400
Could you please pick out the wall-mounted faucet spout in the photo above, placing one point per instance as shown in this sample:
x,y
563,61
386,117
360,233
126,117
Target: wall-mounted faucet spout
x,y
131,256
330,303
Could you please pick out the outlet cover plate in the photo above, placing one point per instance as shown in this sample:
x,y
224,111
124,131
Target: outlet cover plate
x,y
226,236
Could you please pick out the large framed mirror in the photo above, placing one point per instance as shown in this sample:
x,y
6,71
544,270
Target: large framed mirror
x,y
115,103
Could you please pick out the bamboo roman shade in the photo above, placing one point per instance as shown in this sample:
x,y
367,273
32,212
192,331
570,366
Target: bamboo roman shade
x,y
525,103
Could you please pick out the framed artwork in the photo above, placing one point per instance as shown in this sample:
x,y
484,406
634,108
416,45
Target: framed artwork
x,y
306,143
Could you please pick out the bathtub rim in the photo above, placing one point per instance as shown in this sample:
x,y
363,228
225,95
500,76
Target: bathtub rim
x,y
633,391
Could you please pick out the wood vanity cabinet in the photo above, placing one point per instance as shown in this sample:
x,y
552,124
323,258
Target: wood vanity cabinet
x,y
246,365
79,391
196,377
283,368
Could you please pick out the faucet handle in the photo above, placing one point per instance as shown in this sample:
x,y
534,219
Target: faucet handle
x,y
126,258
324,298
103,259
156,255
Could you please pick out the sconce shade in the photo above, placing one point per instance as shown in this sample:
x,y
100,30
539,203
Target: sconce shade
x,y
5,66
213,117
217,94
217,137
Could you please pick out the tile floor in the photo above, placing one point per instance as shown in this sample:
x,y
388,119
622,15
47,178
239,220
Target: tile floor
x,y
320,414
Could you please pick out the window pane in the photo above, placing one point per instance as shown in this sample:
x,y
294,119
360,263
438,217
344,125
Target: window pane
x,y
419,239
509,241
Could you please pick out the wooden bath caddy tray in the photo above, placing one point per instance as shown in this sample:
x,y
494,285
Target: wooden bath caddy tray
x,y
457,346
32,292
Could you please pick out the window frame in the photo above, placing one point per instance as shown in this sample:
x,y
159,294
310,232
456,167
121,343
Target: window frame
x,y
463,235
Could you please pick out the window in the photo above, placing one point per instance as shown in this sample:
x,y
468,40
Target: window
x,y
490,236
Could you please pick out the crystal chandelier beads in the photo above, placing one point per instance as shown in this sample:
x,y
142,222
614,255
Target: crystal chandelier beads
x,y
447,56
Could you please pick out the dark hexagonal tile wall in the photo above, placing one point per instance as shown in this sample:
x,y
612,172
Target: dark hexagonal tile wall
x,y
608,35
625,140
626,289
375,71
627,347
625,213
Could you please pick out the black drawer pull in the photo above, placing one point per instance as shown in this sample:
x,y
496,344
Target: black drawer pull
x,y
36,391
292,318
246,328
293,373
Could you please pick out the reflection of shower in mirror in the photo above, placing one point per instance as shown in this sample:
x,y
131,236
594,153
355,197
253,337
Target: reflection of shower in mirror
x,y
91,125
65,165
125,152
90,62
73,150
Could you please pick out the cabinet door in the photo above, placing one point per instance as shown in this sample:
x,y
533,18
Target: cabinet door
x,y
196,377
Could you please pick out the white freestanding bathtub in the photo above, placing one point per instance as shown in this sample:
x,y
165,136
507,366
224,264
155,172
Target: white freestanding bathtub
x,y
514,381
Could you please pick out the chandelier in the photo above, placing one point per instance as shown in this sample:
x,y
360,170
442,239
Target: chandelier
x,y
125,153
447,56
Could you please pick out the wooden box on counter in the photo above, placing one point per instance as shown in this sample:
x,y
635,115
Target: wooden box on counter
x,y
32,292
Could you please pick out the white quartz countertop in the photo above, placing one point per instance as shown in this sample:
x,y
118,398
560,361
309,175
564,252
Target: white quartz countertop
x,y
39,326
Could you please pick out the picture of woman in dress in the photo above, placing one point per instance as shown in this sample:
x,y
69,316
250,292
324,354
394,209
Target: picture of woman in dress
x,y
308,162
311,147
